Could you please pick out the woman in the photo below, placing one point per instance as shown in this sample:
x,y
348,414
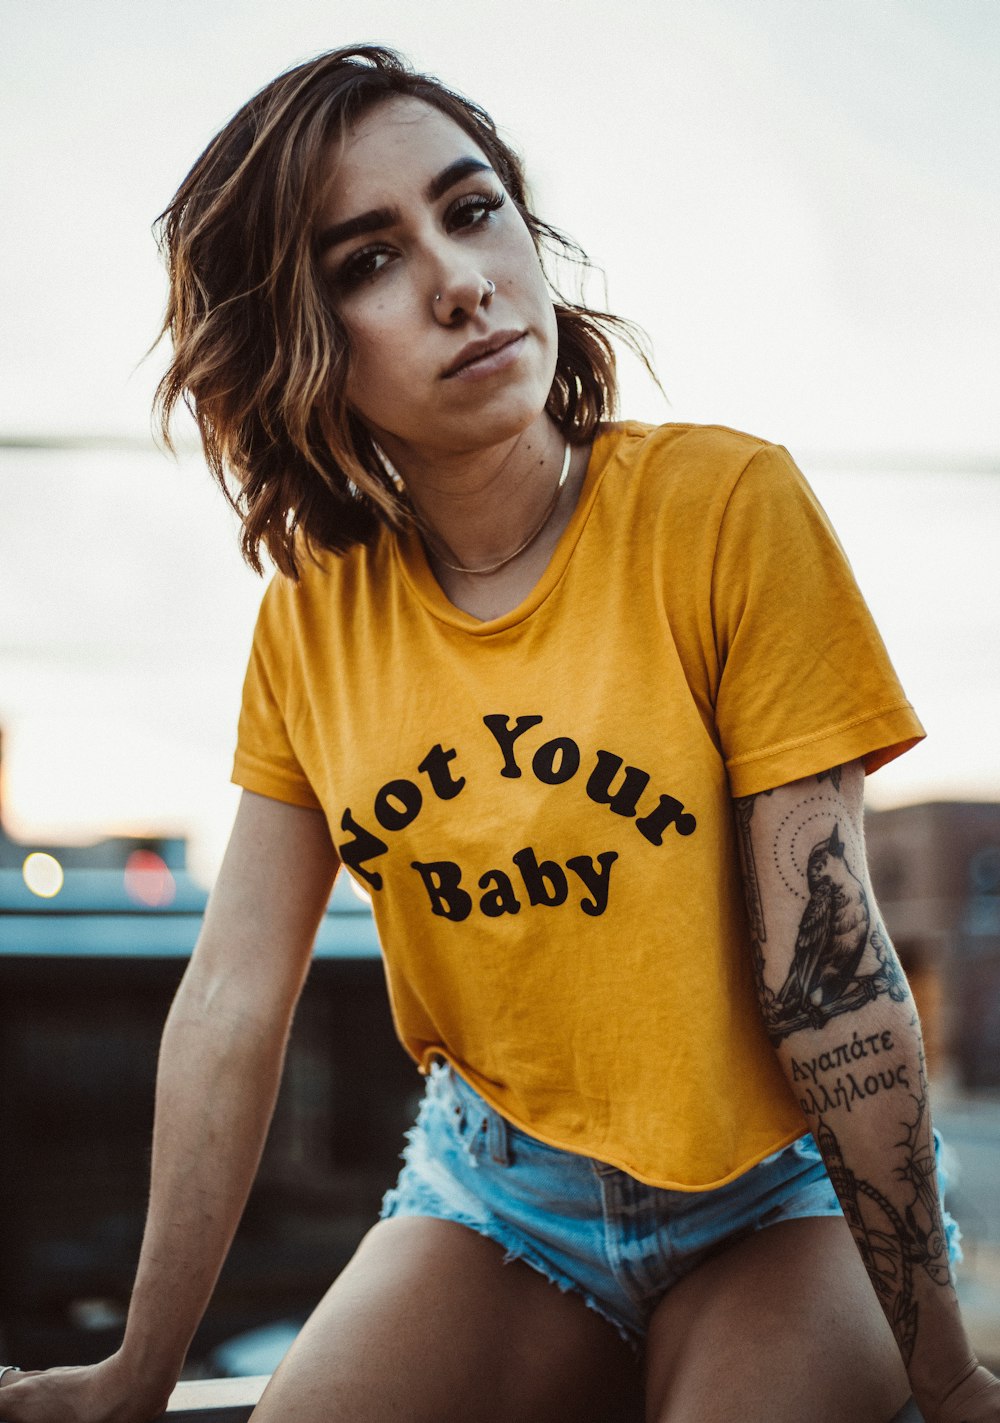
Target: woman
x,y
587,708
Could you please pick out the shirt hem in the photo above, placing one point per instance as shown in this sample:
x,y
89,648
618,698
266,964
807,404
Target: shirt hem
x,y
276,787
620,1162
876,738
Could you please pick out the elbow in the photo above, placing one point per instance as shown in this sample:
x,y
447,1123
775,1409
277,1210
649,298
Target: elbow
x,y
224,999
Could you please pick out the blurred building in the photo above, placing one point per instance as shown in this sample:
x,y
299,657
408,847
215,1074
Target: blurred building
x,y
93,942
936,872
147,866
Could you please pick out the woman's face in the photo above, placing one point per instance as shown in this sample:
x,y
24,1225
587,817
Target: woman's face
x,y
413,228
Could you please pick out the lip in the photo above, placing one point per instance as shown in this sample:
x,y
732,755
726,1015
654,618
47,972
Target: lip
x,y
482,358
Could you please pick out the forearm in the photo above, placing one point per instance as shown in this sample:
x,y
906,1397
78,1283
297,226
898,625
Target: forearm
x,y
861,1083
220,1066
838,1010
218,1076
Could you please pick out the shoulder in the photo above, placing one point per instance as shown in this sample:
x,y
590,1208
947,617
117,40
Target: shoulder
x,y
302,621
325,579
705,452
691,469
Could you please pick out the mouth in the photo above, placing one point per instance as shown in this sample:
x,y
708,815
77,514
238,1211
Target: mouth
x,y
485,356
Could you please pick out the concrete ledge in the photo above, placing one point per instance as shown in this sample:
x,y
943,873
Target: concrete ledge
x,y
233,1400
215,1400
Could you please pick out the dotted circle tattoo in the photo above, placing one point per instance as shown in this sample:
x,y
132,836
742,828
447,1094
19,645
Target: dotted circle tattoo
x,y
794,840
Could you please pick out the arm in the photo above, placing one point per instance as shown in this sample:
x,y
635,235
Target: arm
x,y
220,1065
843,1023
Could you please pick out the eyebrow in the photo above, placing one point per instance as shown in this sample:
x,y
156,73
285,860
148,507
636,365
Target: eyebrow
x,y
378,218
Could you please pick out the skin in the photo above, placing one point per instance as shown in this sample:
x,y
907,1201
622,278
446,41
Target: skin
x,y
427,1324
384,286
480,458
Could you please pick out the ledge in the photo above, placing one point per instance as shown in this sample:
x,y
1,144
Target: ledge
x,y
233,1400
215,1400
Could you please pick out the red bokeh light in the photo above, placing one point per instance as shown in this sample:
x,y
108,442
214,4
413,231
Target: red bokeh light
x,y
147,879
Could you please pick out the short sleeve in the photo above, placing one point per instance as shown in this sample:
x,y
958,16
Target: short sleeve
x,y
265,760
806,682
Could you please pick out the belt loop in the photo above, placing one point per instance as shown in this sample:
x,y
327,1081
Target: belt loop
x,y
498,1141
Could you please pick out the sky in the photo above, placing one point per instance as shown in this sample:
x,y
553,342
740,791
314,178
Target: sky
x,y
798,201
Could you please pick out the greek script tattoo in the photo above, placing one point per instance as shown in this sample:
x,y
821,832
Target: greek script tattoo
x,y
895,1239
860,1080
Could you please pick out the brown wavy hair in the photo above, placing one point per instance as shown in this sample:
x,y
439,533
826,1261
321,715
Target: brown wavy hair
x,y
259,355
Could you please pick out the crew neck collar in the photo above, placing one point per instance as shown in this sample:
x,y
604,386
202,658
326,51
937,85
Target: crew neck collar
x,y
408,550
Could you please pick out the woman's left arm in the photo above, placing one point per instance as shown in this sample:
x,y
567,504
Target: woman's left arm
x,y
842,1020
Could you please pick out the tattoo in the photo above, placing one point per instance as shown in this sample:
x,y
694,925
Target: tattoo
x,y
842,958
894,1239
834,933
861,1079
744,806
919,1171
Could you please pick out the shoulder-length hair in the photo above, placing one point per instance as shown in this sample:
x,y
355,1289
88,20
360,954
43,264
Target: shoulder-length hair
x,y
259,355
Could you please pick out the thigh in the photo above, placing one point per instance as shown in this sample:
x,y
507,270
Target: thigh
x,y
780,1327
427,1324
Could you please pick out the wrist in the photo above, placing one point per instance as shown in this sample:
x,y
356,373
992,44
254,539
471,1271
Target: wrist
x,y
146,1371
933,1383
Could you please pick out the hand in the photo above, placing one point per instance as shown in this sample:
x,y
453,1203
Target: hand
x,y
98,1393
974,1399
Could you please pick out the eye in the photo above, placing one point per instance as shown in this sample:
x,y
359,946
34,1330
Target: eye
x,y
473,208
362,265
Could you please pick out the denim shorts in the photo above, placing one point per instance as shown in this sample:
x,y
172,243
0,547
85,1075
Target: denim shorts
x,y
586,1226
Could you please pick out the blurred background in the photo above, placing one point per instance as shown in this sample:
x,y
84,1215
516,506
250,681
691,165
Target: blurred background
x,y
799,203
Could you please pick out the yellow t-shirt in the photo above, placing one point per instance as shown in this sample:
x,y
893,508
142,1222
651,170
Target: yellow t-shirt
x,y
540,805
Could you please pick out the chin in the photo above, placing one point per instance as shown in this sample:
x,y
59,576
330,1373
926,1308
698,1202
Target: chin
x,y
494,427
508,411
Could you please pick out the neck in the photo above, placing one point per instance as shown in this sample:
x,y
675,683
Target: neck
x,y
474,509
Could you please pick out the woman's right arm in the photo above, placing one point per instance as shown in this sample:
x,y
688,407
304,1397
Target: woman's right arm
x,y
219,1069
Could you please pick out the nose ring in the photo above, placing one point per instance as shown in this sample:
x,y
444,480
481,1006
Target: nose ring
x,y
490,289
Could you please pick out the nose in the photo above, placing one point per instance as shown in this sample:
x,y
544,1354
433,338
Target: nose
x,y
461,295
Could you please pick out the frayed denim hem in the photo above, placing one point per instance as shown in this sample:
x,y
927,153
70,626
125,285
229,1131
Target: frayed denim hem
x,y
393,1206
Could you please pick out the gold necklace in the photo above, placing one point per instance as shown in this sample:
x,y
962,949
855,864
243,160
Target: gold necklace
x,y
508,558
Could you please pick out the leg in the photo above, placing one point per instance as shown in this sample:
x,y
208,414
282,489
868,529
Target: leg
x,y
428,1325
781,1327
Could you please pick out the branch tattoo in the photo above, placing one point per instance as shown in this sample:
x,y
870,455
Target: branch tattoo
x,y
895,1240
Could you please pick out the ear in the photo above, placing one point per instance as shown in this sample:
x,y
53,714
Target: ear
x,y
835,844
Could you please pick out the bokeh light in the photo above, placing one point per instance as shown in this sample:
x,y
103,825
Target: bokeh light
x,y
43,874
148,880
359,891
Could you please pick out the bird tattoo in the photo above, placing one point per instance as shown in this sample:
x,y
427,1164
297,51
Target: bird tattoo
x,y
831,938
